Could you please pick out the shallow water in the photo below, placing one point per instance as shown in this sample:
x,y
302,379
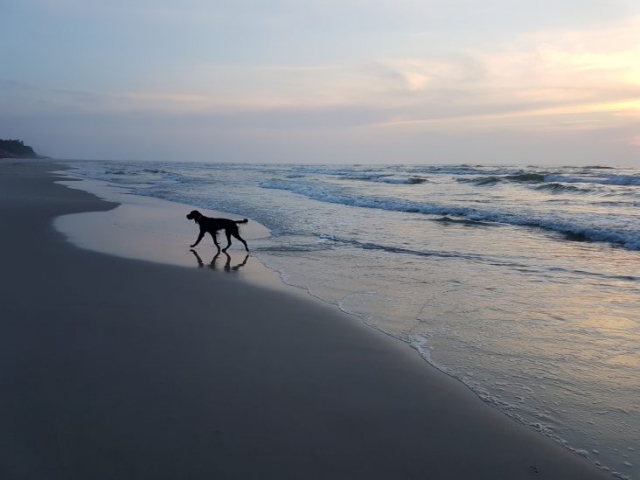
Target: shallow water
x,y
521,282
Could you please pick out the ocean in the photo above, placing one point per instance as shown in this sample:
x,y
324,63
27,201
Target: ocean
x,y
521,282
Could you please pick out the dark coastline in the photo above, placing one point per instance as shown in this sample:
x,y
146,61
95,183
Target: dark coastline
x,y
17,149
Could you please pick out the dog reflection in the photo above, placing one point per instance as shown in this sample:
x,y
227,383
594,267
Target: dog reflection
x,y
227,264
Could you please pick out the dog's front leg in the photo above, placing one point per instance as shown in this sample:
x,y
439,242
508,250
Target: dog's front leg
x,y
215,240
199,238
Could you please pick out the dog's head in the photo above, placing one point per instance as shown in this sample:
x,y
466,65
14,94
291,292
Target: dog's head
x,y
194,215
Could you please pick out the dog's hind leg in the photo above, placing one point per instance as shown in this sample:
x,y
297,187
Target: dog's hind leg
x,y
237,235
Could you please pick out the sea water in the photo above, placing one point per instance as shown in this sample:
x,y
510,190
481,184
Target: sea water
x,y
521,282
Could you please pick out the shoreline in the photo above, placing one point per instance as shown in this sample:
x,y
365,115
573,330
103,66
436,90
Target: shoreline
x,y
130,369
155,230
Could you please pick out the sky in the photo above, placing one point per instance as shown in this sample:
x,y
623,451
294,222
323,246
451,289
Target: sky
x,y
324,81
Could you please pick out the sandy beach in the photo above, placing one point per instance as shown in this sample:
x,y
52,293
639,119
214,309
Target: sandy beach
x,y
119,368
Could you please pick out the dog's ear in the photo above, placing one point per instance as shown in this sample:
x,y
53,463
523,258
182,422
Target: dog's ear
x,y
195,215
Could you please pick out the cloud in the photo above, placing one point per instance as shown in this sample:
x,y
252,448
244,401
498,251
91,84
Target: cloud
x,y
594,74
588,78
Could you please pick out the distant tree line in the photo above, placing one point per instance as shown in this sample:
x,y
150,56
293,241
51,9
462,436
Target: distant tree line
x,y
16,149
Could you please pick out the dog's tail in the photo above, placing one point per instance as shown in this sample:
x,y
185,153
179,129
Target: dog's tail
x,y
241,221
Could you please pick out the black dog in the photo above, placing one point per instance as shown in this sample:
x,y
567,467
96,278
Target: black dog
x,y
212,225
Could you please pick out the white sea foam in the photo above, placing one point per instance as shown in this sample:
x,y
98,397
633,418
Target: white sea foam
x,y
622,230
622,180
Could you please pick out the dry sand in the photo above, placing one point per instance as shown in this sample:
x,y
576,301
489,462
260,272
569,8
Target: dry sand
x,y
117,368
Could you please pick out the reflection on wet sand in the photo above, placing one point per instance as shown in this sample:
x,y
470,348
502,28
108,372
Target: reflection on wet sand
x,y
227,265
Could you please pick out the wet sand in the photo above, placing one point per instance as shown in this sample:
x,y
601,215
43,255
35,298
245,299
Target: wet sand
x,y
121,368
